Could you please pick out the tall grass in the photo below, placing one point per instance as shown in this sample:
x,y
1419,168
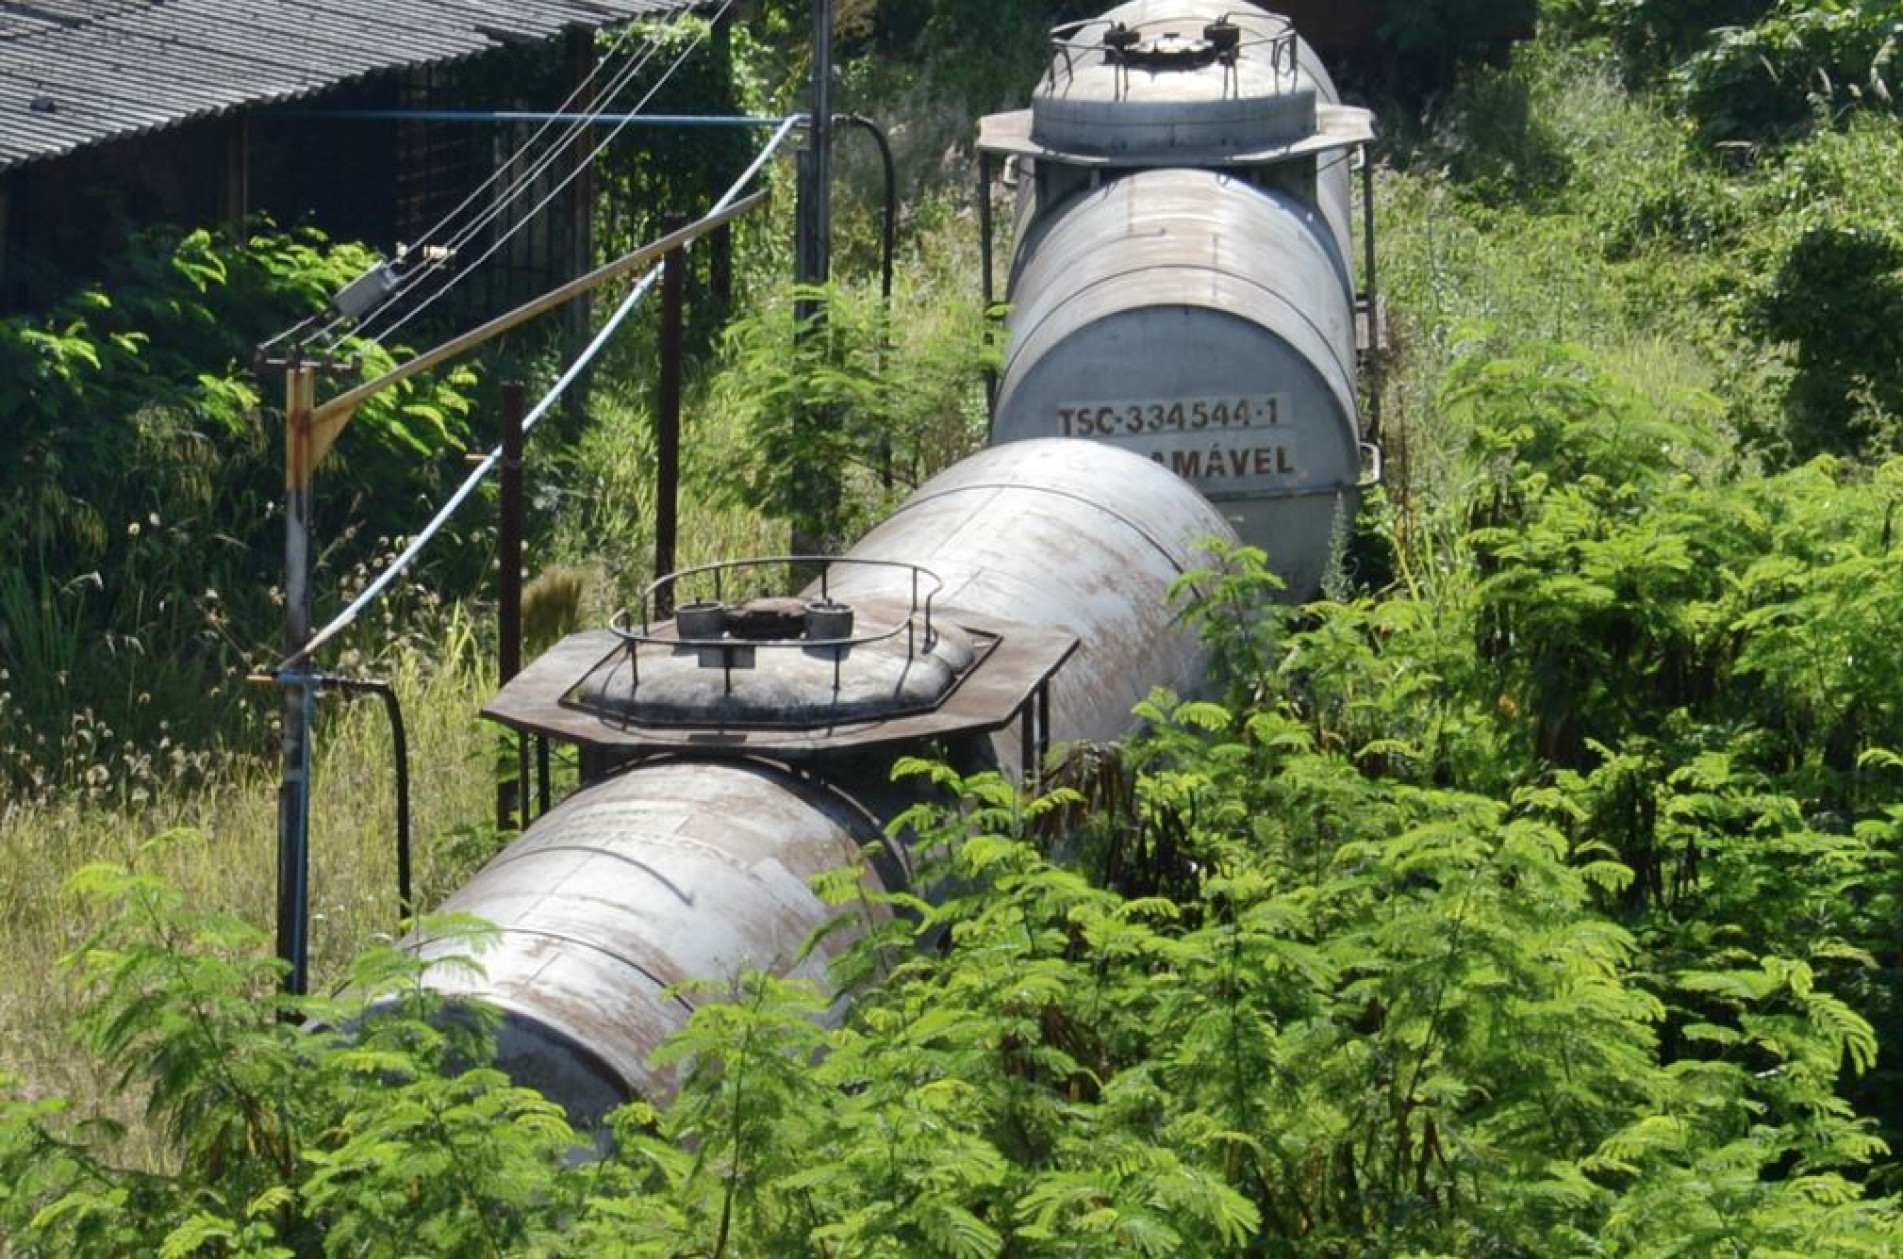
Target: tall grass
x,y
134,794
110,794
1509,217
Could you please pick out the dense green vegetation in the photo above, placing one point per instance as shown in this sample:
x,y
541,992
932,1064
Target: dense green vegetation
x,y
137,548
1538,893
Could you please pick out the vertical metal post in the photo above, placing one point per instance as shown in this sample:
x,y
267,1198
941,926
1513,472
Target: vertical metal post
x,y
400,749
889,222
511,797
986,281
812,250
813,255
805,246
294,792
1043,702
580,216
667,418
821,138
987,284
720,241
1373,291
888,249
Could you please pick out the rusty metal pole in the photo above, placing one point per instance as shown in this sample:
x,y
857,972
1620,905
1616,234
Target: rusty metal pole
x,y
580,225
1373,291
511,797
817,487
812,241
816,212
986,283
720,242
667,422
294,791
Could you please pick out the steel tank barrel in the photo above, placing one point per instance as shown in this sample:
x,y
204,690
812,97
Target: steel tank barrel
x,y
698,867
1182,281
1198,321
1049,533
671,871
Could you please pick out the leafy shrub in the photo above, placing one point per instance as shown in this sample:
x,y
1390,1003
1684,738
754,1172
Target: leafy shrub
x,y
1696,211
1837,300
285,1138
1653,36
136,511
1495,144
1801,64
1448,32
1366,980
855,401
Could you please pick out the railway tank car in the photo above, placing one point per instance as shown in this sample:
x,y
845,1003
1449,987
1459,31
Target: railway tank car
x,y
1182,281
1182,363
746,745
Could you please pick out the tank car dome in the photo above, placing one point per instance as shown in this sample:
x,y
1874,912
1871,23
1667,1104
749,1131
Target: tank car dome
x,y
1142,80
1258,27
1178,82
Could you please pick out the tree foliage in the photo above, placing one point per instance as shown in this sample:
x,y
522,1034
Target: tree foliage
x,y
137,505
852,405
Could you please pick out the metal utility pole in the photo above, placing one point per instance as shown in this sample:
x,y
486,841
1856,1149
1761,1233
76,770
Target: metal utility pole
x,y
512,796
294,792
307,437
667,421
310,429
814,248
812,251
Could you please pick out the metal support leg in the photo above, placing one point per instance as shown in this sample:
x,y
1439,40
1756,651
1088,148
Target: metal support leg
x,y
512,798
987,285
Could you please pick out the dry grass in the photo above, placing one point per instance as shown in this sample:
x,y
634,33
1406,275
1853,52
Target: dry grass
x,y
233,868
123,796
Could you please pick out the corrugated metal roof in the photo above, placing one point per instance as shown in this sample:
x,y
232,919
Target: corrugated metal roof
x,y
79,72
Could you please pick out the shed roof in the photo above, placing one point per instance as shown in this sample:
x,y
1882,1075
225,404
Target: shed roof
x,y
79,72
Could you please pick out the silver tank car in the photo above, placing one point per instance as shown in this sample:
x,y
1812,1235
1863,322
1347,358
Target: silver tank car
x,y
746,745
1181,285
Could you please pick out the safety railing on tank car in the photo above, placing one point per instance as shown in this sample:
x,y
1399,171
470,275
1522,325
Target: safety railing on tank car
x,y
1224,42
693,620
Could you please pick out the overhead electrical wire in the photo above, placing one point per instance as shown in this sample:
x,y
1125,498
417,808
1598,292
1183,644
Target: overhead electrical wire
x,y
602,105
369,595
651,46
525,175
333,331
561,185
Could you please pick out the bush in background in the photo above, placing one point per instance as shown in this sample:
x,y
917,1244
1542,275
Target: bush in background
x,y
140,526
